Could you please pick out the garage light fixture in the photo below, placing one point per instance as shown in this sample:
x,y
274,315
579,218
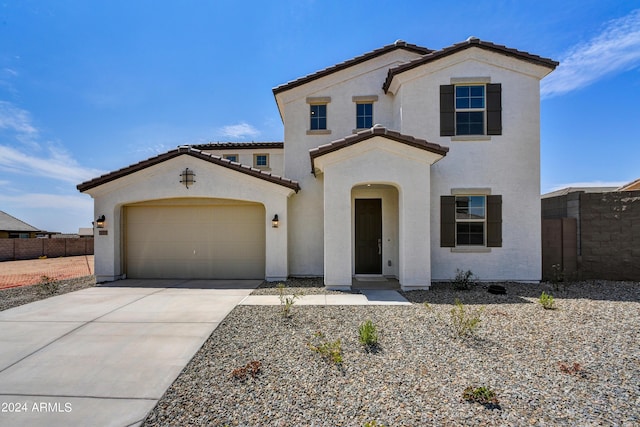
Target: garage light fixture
x,y
275,221
100,221
187,177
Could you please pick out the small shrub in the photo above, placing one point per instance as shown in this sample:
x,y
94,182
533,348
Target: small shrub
x,y
464,321
368,334
372,423
483,395
464,280
329,350
251,369
286,301
547,301
47,286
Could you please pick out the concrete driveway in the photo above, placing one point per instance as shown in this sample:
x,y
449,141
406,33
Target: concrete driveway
x,y
103,356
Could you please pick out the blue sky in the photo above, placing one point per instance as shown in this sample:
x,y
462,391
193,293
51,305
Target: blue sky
x,y
87,87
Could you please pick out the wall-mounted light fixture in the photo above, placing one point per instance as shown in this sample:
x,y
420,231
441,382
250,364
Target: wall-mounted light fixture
x,y
186,177
275,221
100,221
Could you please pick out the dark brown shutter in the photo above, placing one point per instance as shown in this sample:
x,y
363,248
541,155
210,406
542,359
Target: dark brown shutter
x,y
447,221
494,221
494,109
447,111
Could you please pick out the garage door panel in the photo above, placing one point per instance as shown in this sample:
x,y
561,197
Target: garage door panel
x,y
199,241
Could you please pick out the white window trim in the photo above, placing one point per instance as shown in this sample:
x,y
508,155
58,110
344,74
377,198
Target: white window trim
x,y
474,248
472,137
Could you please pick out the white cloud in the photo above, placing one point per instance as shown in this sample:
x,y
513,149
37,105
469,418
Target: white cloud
x,y
57,164
615,49
18,121
241,130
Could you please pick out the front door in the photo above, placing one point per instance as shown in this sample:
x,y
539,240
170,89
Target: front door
x,y
368,236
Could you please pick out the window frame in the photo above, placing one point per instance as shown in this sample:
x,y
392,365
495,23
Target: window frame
x,y
316,120
459,221
255,160
493,235
470,109
227,156
492,119
364,116
316,101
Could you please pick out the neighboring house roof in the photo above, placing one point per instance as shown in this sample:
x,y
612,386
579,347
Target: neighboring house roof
x,y
11,223
238,145
565,191
189,151
377,130
470,42
631,186
399,44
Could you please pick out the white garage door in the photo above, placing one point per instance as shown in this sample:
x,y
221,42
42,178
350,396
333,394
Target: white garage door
x,y
195,239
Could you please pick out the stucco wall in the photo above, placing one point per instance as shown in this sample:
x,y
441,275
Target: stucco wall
x,y
162,181
306,209
507,164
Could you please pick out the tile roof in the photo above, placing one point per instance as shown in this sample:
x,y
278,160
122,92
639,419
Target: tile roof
x,y
238,145
399,44
189,151
470,42
377,130
11,223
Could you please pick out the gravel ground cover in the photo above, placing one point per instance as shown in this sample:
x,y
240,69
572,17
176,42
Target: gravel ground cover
x,y
576,365
13,297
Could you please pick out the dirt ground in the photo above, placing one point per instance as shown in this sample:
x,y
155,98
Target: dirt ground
x,y
29,272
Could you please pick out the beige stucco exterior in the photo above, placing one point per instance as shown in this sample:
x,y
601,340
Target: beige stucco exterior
x,y
331,170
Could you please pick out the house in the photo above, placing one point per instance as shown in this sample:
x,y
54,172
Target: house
x,y
13,228
404,162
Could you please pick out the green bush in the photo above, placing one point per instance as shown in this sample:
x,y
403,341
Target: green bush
x,y
464,321
482,395
286,301
329,350
547,301
368,334
464,280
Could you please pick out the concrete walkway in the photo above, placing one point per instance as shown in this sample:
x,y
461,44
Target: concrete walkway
x,y
368,297
104,356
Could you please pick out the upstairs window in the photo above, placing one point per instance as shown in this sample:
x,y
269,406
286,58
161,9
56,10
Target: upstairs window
x,y
261,160
318,114
470,108
231,157
364,115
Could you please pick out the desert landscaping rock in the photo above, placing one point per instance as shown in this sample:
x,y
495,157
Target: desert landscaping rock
x,y
13,297
421,370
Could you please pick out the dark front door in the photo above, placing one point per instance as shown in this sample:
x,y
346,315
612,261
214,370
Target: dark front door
x,y
368,236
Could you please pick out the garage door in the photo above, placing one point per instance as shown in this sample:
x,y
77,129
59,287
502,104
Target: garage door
x,y
195,240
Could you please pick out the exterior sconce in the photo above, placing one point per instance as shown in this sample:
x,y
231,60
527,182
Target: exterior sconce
x,y
275,221
100,221
187,178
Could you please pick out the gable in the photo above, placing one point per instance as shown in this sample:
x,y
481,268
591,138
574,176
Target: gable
x,y
471,43
188,151
436,152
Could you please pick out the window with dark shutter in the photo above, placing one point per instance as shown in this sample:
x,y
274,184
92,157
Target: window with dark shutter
x,y
494,109
447,221
494,221
447,111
